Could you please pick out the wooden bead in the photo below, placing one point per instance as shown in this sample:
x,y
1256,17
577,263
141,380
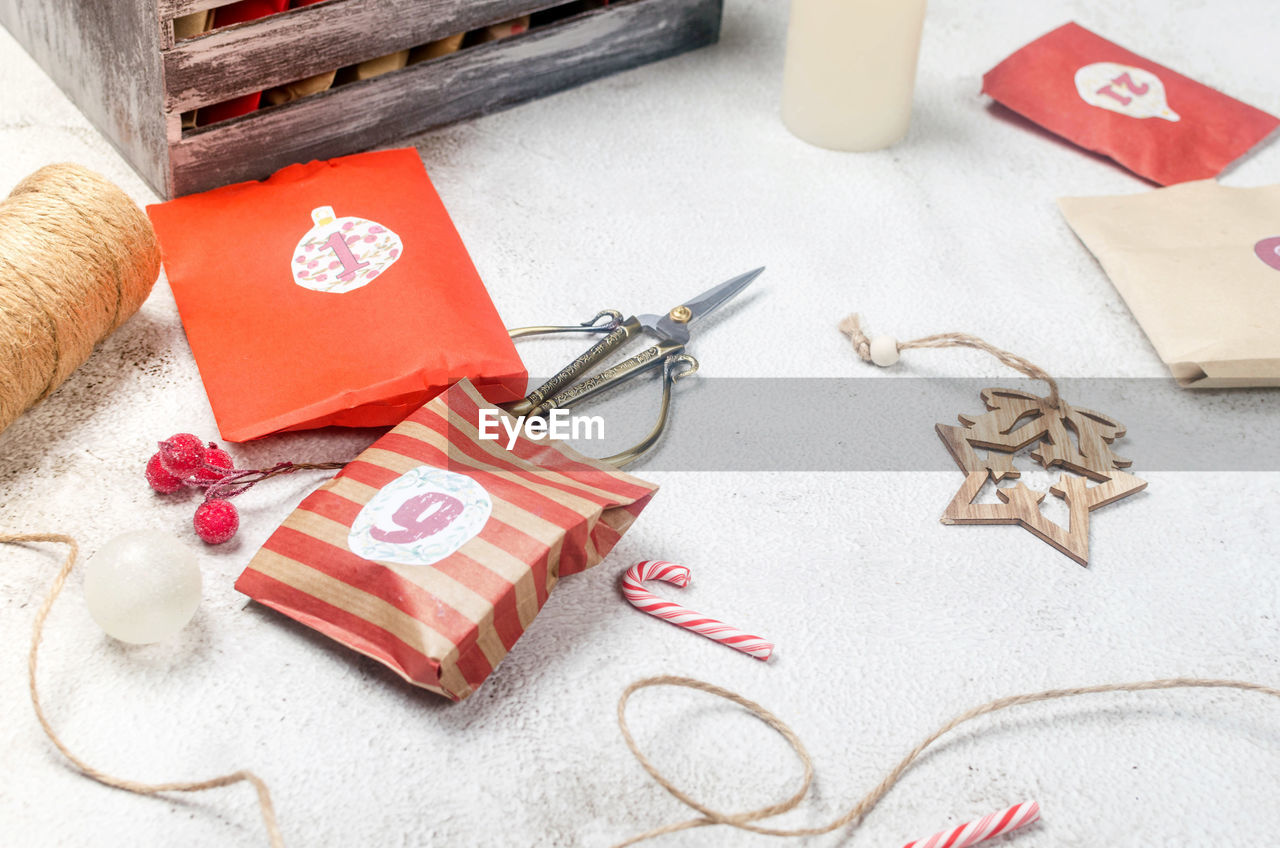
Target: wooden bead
x,y
884,351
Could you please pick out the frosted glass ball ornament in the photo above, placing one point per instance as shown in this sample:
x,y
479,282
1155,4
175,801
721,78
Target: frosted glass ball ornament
x,y
142,586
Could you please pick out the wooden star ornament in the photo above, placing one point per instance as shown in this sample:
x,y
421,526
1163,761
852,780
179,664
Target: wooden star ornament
x,y
1075,440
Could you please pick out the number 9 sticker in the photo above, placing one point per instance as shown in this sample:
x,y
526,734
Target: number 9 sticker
x,y
342,254
421,517
1125,89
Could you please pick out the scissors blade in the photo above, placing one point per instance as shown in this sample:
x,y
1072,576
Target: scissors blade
x,y
712,299
667,327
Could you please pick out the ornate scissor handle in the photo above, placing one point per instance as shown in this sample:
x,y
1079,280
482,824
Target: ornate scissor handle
x,y
622,330
591,326
674,368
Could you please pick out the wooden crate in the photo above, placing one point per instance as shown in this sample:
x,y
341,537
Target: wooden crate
x,y
119,62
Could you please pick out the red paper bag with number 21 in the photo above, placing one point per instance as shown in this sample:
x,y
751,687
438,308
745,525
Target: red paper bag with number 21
x,y
1152,120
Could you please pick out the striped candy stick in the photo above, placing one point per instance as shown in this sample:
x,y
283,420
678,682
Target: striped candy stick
x,y
1019,815
678,575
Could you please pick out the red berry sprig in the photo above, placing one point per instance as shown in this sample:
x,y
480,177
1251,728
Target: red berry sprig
x,y
185,460
216,520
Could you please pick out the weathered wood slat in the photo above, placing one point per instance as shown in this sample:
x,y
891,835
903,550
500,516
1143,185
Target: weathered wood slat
x,y
106,57
169,9
112,60
294,45
475,81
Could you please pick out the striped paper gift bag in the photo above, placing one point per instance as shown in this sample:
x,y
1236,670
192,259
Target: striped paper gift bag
x,y
434,550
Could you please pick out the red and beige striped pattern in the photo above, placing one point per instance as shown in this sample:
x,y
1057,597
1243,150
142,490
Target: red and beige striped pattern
x,y
1019,815
446,626
677,575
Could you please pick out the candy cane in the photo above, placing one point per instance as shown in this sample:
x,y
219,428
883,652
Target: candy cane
x,y
1019,815
678,575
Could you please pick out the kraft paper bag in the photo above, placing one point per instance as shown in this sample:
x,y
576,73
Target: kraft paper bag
x,y
434,549
1199,266
332,293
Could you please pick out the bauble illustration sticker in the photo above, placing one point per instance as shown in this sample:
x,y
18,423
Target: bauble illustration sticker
x,y
339,255
421,517
1268,251
1125,89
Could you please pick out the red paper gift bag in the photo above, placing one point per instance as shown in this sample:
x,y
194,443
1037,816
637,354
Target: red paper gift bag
x,y
1152,120
333,292
433,550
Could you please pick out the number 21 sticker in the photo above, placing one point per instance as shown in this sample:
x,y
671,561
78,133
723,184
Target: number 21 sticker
x,y
342,254
1125,89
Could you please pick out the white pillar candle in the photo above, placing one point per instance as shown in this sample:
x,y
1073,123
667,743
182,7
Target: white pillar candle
x,y
850,71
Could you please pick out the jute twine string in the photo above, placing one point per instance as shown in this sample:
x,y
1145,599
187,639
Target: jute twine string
x,y
708,816
37,633
744,821
77,259
852,327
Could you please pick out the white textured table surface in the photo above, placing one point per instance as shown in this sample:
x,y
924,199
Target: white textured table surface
x,y
635,191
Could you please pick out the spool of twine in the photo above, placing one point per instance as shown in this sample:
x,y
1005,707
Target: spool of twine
x,y
77,259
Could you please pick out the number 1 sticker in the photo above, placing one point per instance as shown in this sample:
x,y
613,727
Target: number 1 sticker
x,y
339,255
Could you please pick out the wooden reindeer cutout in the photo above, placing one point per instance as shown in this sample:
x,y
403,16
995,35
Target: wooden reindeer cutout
x,y
1076,440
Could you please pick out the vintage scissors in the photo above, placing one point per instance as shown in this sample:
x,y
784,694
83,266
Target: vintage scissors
x,y
671,332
